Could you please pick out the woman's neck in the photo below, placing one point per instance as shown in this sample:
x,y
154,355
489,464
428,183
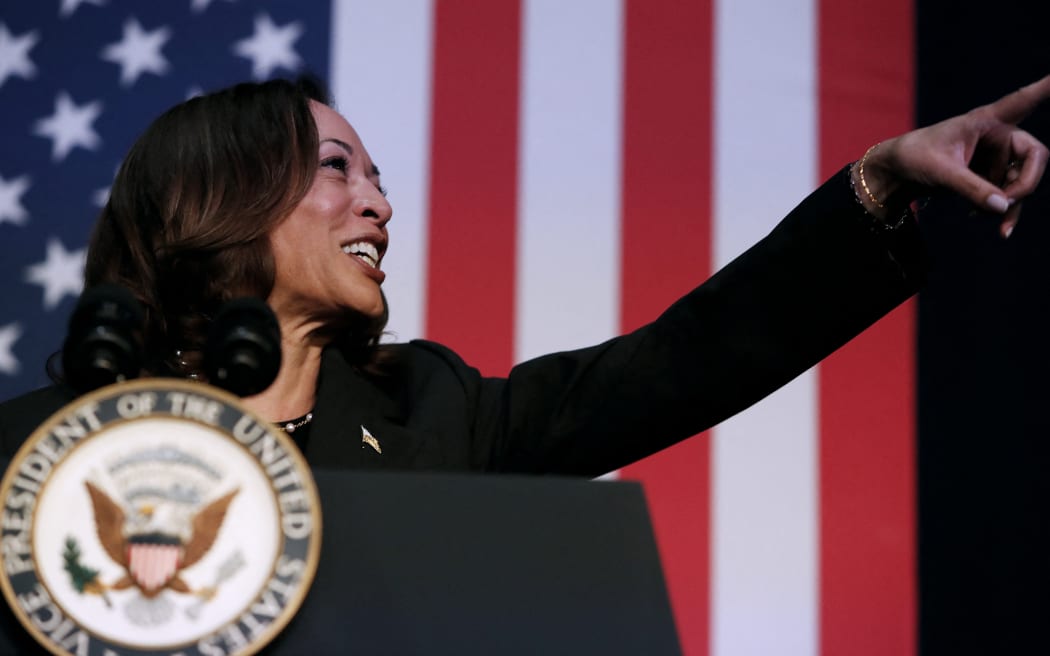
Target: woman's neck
x,y
294,391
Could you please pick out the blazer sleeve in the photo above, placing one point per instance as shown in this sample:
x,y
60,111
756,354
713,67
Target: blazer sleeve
x,y
823,275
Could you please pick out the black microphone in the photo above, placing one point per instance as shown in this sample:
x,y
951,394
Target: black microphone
x,y
243,351
104,342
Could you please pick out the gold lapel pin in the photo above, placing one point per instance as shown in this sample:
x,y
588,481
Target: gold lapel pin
x,y
370,440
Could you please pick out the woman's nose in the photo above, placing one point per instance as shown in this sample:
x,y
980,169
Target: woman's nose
x,y
373,205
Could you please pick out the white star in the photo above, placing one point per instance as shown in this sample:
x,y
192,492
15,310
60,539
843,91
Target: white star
x,y
197,6
14,54
9,334
138,52
270,47
70,126
69,6
60,274
11,208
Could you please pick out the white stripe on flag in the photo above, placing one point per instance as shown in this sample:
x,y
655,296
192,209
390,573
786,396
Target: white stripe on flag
x,y
568,246
764,462
381,82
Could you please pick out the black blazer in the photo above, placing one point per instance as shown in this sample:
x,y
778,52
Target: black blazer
x,y
823,275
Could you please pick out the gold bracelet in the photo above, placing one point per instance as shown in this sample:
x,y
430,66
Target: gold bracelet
x,y
863,182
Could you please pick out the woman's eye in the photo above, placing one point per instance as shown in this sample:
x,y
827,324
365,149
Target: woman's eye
x,y
337,162
382,190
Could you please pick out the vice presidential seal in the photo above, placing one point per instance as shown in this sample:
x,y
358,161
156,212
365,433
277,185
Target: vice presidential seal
x,y
157,516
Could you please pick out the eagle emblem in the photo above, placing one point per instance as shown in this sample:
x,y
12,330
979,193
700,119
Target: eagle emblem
x,y
153,543
157,516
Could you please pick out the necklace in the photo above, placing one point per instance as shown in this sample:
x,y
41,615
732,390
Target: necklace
x,y
295,424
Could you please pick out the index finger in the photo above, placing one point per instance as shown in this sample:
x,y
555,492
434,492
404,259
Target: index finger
x,y
1013,107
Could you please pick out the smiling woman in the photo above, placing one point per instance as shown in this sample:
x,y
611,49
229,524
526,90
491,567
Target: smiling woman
x,y
233,194
326,254
264,190
344,213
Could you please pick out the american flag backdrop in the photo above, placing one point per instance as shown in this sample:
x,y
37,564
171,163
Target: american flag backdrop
x,y
560,171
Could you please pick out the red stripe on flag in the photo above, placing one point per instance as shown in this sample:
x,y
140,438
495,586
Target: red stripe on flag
x,y
473,180
667,251
867,389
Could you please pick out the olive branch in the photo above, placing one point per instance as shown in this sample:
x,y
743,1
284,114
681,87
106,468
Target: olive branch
x,y
84,579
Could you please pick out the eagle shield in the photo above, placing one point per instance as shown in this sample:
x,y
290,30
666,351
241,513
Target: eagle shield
x,y
151,547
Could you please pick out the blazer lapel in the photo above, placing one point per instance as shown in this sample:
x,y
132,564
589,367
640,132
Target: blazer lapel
x,y
347,404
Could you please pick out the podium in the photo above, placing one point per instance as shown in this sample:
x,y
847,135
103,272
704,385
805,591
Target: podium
x,y
471,564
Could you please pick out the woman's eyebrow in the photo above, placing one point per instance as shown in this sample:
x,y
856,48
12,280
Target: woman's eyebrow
x,y
345,146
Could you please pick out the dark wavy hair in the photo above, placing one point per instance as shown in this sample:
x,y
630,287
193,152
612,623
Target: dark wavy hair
x,y
187,225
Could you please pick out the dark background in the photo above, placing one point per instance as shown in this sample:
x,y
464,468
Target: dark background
x,y
984,322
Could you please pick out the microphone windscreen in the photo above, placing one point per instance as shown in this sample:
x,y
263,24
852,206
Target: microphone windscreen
x,y
242,353
104,341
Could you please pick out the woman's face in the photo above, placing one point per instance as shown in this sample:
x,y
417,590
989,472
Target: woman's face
x,y
328,251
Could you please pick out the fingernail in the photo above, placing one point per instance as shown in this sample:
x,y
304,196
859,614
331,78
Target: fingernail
x,y
998,203
1008,230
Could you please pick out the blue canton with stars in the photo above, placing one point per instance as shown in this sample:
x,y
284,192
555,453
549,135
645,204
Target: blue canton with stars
x,y
79,80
